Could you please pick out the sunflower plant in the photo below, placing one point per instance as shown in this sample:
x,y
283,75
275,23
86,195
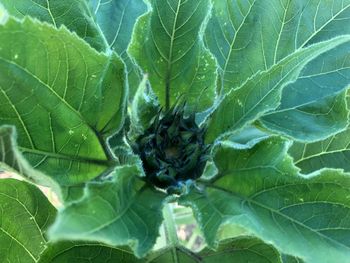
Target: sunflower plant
x,y
235,109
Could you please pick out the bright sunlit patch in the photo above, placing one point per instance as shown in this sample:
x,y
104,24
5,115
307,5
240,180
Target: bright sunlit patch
x,y
4,16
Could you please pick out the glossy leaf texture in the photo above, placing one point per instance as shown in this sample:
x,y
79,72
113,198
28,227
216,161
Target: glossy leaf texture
x,y
25,215
75,15
251,36
333,152
241,249
167,44
260,189
120,211
262,92
116,19
63,97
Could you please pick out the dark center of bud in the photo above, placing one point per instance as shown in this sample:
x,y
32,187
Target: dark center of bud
x,y
172,150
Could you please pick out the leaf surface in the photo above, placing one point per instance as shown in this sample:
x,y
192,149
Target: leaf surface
x,y
116,19
251,36
313,107
262,92
240,249
75,15
260,190
167,44
82,252
12,160
119,211
333,152
63,98
25,215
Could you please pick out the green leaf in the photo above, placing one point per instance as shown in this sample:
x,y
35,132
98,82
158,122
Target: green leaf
x,y
25,215
251,36
290,259
75,15
82,252
262,92
260,189
12,160
245,138
116,19
63,97
120,211
314,107
167,44
144,107
333,152
241,249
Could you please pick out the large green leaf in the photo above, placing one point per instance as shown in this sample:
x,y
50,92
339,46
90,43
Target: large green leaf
x,y
117,18
240,249
63,97
119,211
75,15
25,214
333,152
260,189
167,44
262,92
251,36
82,252
254,35
313,107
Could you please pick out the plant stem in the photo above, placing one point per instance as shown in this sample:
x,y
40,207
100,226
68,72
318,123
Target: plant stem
x,y
170,225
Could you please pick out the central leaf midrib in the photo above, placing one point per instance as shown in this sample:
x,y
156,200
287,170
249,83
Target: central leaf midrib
x,y
170,57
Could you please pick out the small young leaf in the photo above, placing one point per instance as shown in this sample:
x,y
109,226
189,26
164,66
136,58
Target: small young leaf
x,y
144,107
25,215
63,98
260,190
119,211
167,44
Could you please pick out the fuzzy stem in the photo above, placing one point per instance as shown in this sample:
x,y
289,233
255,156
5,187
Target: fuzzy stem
x,y
170,225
